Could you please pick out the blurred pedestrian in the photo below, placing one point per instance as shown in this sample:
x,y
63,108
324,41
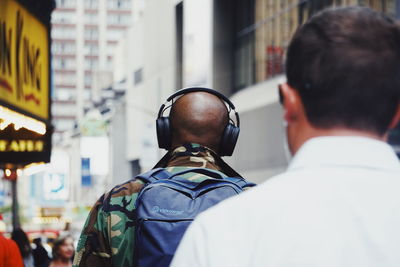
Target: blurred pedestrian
x,y
63,252
40,254
20,237
10,255
338,204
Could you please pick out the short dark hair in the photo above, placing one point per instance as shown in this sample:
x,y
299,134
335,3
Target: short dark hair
x,y
20,237
345,64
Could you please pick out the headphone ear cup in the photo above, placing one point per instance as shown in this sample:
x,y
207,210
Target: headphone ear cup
x,y
229,139
163,132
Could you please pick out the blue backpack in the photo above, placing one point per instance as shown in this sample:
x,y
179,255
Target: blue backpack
x,y
168,203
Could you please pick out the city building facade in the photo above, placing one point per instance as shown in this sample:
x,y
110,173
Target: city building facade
x,y
236,47
84,36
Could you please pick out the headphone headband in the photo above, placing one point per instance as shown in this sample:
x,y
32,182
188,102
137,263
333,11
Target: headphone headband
x,y
230,133
200,89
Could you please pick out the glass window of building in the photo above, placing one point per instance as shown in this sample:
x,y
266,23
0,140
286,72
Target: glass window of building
x,y
117,19
64,63
88,80
63,47
63,124
91,33
63,17
114,34
64,94
119,4
63,33
65,3
91,4
91,18
87,94
91,63
66,109
263,29
244,43
91,49
64,78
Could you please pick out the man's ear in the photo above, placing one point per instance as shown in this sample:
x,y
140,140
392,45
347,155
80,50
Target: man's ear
x,y
395,119
291,102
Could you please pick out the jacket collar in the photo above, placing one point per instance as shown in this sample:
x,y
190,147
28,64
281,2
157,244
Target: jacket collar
x,y
195,155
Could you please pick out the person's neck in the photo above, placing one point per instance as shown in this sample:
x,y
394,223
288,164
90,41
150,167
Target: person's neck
x,y
316,132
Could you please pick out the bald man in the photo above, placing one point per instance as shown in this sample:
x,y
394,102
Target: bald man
x,y
198,117
197,121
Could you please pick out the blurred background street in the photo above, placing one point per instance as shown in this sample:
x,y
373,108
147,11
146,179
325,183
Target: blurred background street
x,y
81,82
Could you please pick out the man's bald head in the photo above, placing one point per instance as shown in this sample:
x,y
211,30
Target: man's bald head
x,y
198,117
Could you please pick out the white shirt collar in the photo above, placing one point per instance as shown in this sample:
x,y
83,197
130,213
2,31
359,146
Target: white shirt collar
x,y
348,151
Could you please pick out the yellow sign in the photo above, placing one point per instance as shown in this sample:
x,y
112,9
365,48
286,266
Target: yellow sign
x,y
24,60
21,145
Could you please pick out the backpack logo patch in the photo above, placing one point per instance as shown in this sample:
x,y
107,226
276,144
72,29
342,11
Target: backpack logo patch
x,y
157,209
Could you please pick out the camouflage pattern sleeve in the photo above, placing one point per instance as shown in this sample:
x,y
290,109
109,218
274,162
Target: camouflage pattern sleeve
x,y
93,248
107,238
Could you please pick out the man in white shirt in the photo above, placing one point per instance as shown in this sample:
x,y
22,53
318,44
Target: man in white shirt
x,y
338,204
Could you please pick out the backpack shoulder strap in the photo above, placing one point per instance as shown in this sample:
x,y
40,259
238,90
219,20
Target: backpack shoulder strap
x,y
154,175
240,182
162,174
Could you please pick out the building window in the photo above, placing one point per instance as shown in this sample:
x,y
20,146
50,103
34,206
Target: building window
x,y
63,63
244,43
91,49
91,18
65,3
65,78
63,48
67,17
114,34
91,34
64,109
119,4
91,4
91,63
64,94
87,94
118,19
138,76
88,80
263,29
63,124
63,33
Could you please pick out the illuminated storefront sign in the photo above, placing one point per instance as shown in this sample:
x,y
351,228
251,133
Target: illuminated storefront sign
x,y
23,146
24,60
25,130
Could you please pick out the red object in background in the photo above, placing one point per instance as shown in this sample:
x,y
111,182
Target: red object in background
x,y
274,60
10,174
9,253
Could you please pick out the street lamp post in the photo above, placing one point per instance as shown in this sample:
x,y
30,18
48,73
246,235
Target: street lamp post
x,y
11,175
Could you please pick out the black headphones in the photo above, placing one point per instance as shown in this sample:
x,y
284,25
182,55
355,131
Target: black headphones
x,y
229,136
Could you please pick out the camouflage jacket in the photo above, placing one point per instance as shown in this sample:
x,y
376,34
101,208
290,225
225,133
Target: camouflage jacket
x,y
107,238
